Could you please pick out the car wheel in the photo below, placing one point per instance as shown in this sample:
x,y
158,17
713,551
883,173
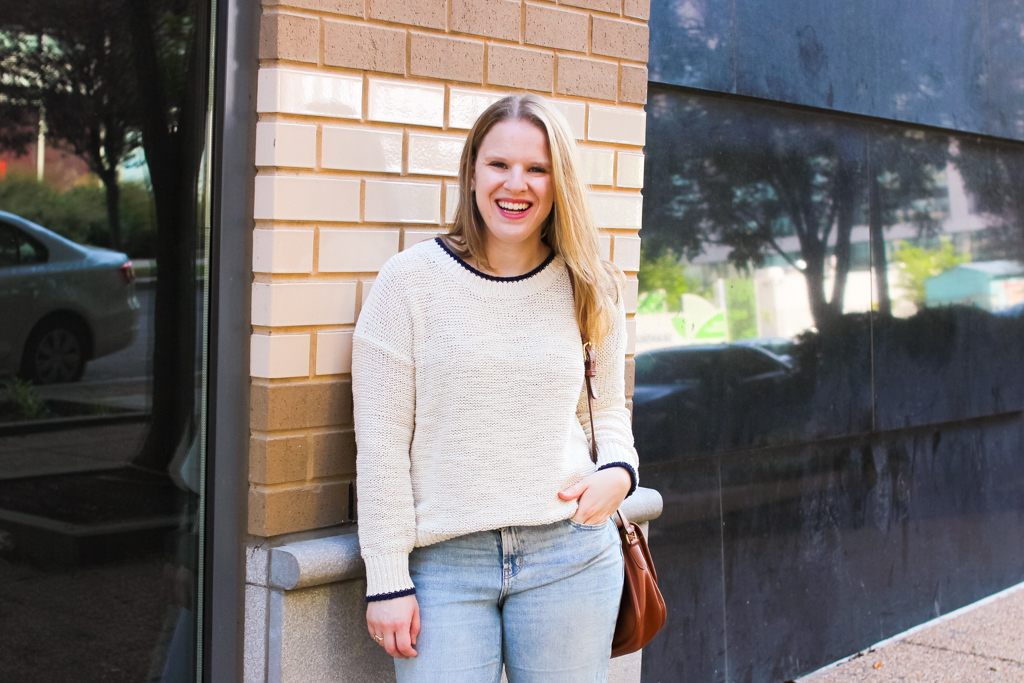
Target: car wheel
x,y
55,353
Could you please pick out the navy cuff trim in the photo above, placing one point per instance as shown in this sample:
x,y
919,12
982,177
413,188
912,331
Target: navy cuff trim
x,y
495,278
389,596
628,468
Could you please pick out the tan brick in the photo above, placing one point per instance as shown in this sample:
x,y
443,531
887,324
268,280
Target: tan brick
x,y
625,39
630,377
351,7
557,28
612,6
491,18
334,453
275,460
448,58
426,13
587,78
359,46
638,9
285,510
633,87
297,406
520,68
286,36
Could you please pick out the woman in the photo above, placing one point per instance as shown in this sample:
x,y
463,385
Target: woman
x,y
483,522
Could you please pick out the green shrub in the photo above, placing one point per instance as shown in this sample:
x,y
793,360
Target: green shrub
x,y
80,214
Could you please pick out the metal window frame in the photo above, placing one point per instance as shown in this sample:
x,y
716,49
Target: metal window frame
x,y
233,171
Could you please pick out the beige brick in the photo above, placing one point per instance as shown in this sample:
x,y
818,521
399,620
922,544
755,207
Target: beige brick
x,y
303,303
452,194
402,102
520,68
576,114
612,6
282,251
402,202
638,9
427,13
630,376
349,7
288,36
413,237
625,39
633,87
356,251
617,210
631,294
630,339
306,198
452,59
300,406
276,460
630,171
604,246
285,510
557,28
464,106
286,144
587,78
597,166
367,288
627,252
491,18
435,154
279,355
334,352
358,46
361,149
334,453
296,91
617,124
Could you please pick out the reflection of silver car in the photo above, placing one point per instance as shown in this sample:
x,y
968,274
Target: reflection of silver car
x,y
61,304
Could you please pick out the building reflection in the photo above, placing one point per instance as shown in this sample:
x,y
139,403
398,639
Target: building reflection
x,y
828,379
103,111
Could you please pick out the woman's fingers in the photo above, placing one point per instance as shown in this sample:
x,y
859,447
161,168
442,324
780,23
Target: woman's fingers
x,y
415,631
403,645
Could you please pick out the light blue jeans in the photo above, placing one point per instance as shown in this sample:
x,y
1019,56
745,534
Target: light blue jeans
x,y
542,600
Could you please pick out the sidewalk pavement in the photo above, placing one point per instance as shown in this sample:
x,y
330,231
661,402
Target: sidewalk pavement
x,y
980,642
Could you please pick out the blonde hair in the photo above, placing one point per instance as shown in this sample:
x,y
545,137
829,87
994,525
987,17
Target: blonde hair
x,y
569,230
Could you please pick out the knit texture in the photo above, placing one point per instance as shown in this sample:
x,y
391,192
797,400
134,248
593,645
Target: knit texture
x,y
470,409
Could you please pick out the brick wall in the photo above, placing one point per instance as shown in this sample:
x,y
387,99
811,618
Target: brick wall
x,y
363,108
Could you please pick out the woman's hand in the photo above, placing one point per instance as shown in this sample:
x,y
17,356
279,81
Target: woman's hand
x,y
600,495
397,622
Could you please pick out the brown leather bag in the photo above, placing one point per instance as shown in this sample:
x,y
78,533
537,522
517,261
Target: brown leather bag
x,y
642,609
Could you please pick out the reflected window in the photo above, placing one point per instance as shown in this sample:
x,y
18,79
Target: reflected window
x,y
17,248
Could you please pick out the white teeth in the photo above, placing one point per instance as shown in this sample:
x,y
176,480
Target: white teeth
x,y
513,206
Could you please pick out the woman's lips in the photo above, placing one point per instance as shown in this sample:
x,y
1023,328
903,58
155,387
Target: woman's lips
x,y
513,209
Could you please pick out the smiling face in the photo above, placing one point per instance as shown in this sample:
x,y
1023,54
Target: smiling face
x,y
512,182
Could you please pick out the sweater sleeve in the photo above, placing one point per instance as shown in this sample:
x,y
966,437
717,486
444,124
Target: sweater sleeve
x,y
384,402
611,417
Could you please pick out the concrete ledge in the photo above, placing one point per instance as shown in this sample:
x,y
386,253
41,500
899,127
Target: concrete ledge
x,y
305,564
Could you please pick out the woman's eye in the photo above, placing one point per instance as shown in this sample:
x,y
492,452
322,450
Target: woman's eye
x,y
498,164
538,169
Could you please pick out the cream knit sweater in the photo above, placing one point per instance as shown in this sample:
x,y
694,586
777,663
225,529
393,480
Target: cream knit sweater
x,y
470,412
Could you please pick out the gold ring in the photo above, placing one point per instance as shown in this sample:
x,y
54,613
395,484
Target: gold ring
x,y
378,638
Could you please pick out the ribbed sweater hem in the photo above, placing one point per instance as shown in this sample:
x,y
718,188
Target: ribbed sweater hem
x,y
388,575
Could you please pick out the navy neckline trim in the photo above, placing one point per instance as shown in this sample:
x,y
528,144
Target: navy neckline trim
x,y
494,278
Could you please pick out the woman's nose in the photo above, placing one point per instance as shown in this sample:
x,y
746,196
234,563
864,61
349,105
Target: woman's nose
x,y
516,180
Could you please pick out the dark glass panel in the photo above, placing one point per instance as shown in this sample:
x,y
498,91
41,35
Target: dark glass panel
x,y
831,548
752,325
103,237
950,64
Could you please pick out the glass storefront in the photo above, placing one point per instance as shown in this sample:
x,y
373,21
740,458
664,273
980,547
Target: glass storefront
x,y
104,253
828,379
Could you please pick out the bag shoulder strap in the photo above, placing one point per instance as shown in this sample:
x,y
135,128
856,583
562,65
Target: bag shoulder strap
x,y
589,373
